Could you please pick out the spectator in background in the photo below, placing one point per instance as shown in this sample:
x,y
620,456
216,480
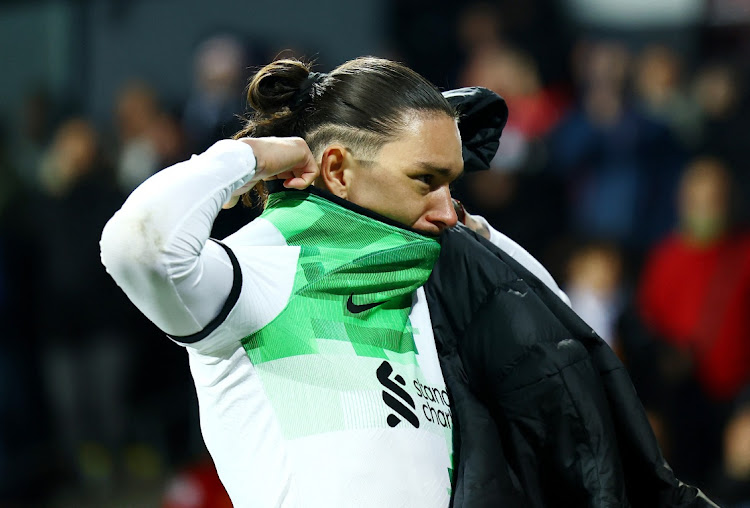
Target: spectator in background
x,y
694,296
196,486
136,114
513,74
719,92
619,166
436,38
168,139
210,113
79,314
31,137
514,195
595,287
479,26
537,27
732,481
659,92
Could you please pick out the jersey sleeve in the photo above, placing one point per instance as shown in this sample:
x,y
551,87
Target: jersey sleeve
x,y
522,256
157,248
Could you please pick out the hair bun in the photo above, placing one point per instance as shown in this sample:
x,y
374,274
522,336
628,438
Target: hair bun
x,y
277,86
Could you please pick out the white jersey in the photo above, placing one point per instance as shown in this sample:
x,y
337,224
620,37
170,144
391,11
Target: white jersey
x,y
340,425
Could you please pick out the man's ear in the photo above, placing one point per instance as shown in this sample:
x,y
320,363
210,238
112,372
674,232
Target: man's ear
x,y
334,169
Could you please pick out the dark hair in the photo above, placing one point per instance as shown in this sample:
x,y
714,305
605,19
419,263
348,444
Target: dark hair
x,y
362,104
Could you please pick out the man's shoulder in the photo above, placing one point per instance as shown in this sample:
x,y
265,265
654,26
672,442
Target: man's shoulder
x,y
257,233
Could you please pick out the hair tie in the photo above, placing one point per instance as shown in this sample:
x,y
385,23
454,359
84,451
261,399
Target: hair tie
x,y
307,89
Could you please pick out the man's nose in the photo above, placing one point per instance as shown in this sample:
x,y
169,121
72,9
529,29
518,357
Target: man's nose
x,y
442,212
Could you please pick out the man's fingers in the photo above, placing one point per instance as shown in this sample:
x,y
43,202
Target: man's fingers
x,y
303,177
284,175
300,182
295,183
287,159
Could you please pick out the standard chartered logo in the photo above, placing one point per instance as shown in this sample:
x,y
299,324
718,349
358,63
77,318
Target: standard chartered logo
x,y
435,405
383,373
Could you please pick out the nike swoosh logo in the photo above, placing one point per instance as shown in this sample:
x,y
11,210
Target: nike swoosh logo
x,y
356,309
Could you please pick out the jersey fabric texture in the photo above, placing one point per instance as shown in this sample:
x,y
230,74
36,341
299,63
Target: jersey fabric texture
x,y
337,399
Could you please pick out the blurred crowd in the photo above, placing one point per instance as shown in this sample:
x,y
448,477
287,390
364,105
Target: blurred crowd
x,y
623,168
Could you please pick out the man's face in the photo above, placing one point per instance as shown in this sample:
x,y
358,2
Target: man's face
x,y
409,180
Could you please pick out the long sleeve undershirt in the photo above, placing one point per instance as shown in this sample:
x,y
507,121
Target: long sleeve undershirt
x,y
156,246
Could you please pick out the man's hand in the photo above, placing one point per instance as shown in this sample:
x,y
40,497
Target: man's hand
x,y
288,159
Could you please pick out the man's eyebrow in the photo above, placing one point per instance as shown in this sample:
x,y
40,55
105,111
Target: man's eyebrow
x,y
445,172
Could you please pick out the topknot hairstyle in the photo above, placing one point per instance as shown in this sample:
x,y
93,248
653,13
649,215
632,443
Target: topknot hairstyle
x,y
363,103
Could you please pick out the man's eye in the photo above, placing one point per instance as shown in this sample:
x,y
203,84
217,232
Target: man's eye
x,y
428,179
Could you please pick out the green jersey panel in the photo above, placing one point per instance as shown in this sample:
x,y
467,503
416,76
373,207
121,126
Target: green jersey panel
x,y
354,282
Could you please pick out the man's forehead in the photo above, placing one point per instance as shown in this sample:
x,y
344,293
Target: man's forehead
x,y
431,131
440,169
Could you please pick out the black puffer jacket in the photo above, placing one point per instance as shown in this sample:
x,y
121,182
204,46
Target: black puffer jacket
x,y
544,413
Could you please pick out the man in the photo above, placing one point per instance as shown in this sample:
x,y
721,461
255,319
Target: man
x,y
308,331
309,339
